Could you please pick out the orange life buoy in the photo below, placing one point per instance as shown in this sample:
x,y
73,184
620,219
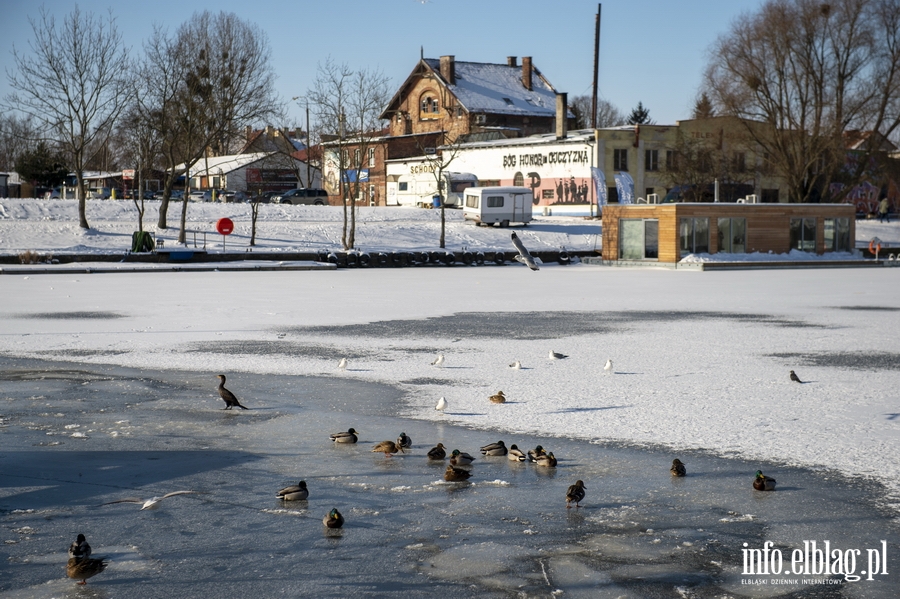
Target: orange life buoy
x,y
874,248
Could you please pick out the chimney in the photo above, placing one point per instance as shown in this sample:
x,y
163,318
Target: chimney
x,y
448,69
562,113
511,61
248,131
526,72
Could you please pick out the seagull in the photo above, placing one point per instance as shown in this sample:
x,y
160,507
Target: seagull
x,y
297,492
441,404
439,361
228,396
523,256
608,367
404,441
795,378
343,364
516,365
152,503
556,356
678,468
79,549
575,493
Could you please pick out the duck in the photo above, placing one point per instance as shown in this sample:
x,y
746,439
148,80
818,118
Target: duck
x,y
460,458
678,468
333,519
515,454
227,396
547,460
388,448
297,492
534,454
404,441
84,568
453,474
763,482
497,448
575,493
437,452
498,397
79,549
349,437
795,378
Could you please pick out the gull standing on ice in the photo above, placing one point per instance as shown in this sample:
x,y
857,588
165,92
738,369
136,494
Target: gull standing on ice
x,y
441,404
523,256
608,367
516,365
342,365
153,502
439,361
556,356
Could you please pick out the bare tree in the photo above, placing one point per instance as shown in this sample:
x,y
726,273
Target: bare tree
x,y
74,83
696,164
17,135
211,78
348,103
139,143
607,114
811,71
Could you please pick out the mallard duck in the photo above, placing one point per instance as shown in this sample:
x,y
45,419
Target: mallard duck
x,y
795,378
297,492
153,502
534,454
497,448
678,468
349,437
498,397
437,452
456,474
763,482
79,549
227,396
333,519
575,493
547,460
515,454
388,448
460,458
404,441
84,568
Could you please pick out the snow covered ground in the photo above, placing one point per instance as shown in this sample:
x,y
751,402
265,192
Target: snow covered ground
x,y
701,363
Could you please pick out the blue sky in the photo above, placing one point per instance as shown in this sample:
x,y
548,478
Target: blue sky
x,y
652,51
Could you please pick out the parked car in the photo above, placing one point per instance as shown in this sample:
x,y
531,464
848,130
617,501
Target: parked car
x,y
227,195
306,196
202,195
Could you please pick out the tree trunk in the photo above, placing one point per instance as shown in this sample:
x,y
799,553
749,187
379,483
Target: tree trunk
x,y
82,203
163,208
182,238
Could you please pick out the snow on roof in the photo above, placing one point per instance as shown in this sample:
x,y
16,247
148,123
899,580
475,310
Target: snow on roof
x,y
224,164
498,89
578,136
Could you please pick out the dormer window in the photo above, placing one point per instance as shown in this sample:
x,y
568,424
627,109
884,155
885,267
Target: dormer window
x,y
508,101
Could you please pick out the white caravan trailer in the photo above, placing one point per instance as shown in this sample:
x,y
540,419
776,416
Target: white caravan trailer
x,y
419,189
504,205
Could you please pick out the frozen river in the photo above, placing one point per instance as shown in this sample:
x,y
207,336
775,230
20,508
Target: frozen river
x,y
75,436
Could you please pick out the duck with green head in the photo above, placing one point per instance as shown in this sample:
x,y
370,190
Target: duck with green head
x,y
762,482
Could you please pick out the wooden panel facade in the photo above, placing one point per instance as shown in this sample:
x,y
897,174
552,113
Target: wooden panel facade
x,y
768,226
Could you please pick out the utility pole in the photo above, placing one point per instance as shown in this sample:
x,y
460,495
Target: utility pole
x,y
596,68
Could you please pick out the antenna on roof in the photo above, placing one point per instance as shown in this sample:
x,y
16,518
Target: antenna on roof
x,y
421,52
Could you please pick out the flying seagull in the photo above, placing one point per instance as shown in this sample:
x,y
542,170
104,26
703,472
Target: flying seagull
x,y
523,256
152,503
